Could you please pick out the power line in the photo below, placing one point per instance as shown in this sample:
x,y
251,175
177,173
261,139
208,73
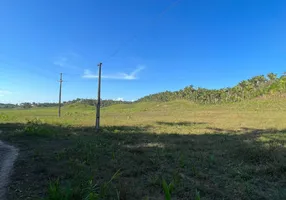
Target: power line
x,y
169,7
117,50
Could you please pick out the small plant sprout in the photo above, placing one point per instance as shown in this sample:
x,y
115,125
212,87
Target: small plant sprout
x,y
198,196
167,189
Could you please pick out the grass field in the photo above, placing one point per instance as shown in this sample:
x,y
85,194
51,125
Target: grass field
x,y
230,151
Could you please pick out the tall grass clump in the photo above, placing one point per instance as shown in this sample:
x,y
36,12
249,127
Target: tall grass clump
x,y
91,190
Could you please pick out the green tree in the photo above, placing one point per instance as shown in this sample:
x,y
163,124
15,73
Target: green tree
x,y
272,76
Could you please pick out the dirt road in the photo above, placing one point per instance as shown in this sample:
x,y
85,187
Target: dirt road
x,y
8,155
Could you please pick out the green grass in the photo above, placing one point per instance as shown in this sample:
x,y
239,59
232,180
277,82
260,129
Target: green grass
x,y
173,150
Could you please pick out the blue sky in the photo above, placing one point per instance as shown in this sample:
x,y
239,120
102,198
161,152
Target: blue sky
x,y
146,46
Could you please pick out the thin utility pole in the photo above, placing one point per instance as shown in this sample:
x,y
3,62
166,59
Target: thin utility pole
x,y
98,98
60,93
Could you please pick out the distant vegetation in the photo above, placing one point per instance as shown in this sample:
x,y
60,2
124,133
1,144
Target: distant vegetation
x,y
93,102
247,89
90,102
8,105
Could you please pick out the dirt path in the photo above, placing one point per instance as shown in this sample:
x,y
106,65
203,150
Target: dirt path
x,y
8,155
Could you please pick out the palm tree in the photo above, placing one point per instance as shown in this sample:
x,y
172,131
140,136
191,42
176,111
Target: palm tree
x,y
272,77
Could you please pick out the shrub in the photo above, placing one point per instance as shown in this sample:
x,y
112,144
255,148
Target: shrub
x,y
36,127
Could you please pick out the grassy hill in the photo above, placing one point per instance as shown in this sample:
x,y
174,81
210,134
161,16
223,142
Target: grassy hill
x,y
248,89
226,150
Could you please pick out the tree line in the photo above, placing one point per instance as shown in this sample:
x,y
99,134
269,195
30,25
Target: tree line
x,y
247,89
91,102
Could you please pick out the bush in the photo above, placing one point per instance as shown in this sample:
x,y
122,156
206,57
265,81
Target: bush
x,y
36,127
4,117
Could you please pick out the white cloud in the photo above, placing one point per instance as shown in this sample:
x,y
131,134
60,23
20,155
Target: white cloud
x,y
4,92
121,76
88,74
66,61
61,61
119,99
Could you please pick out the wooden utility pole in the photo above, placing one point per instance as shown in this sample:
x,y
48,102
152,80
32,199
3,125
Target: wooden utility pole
x,y
60,93
97,121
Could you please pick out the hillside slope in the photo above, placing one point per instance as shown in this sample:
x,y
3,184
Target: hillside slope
x,y
247,89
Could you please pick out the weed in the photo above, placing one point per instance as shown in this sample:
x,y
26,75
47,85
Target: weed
x,y
92,191
4,117
212,159
57,193
154,180
104,188
36,127
113,155
168,188
116,131
194,170
198,196
182,161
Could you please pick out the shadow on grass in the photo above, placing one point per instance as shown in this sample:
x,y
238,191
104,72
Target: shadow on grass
x,y
220,166
184,123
